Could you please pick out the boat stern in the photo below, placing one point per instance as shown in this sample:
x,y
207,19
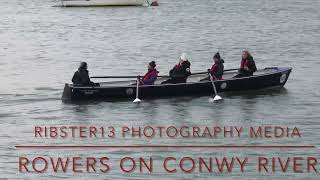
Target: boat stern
x,y
67,93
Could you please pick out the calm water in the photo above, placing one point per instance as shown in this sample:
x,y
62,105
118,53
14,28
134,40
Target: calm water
x,y
41,46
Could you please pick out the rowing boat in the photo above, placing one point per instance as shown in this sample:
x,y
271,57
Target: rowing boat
x,y
84,3
263,78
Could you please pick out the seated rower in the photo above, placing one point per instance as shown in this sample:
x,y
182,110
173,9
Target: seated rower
x,y
216,69
154,3
248,66
151,76
180,72
81,76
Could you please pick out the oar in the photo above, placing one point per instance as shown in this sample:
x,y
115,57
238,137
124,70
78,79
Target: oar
x,y
148,2
113,77
216,97
124,77
137,100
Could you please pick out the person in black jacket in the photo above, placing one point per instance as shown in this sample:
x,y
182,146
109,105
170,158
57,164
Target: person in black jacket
x,y
81,76
180,72
151,76
247,66
217,68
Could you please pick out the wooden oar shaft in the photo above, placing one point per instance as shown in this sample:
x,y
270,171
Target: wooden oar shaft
x,y
119,77
75,0
112,77
213,85
137,100
134,77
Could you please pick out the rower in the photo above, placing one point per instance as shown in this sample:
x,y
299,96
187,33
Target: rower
x,y
81,76
248,66
180,72
154,3
216,69
151,76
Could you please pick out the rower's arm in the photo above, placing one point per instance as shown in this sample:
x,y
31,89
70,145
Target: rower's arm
x,y
151,80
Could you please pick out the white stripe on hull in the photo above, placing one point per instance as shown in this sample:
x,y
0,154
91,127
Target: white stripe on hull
x,y
103,2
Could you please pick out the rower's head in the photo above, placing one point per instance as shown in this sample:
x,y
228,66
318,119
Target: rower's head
x,y
83,65
245,54
151,65
183,58
154,3
216,57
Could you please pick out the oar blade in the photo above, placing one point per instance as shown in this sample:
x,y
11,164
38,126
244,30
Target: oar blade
x,y
217,98
137,100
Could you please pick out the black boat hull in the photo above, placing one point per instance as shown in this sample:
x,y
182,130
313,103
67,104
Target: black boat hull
x,y
276,78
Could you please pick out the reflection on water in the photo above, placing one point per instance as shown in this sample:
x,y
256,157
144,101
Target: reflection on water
x,y
283,91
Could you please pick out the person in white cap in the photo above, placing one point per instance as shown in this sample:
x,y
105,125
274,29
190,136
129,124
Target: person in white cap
x,y
180,72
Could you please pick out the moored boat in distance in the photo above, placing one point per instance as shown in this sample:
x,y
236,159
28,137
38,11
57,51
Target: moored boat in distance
x,y
84,3
263,78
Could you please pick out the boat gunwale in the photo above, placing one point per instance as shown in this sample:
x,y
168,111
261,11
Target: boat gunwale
x,y
69,3
279,70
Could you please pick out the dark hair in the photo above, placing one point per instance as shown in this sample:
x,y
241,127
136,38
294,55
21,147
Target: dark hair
x,y
83,65
152,64
217,56
249,56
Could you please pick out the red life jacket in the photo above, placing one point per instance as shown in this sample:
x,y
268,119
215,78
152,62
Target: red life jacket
x,y
244,63
149,74
178,66
214,69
